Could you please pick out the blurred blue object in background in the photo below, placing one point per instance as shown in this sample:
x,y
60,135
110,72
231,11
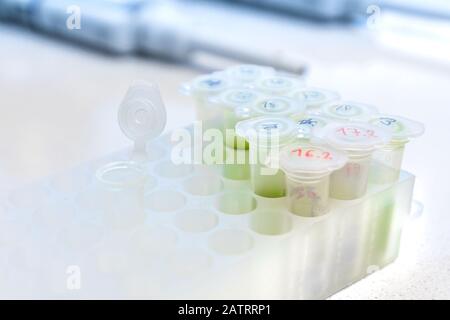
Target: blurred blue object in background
x,y
315,9
106,24
179,30
349,9
166,28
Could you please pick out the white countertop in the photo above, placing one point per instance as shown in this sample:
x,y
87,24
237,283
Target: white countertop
x,y
59,104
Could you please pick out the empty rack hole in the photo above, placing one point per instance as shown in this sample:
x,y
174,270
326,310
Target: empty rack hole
x,y
168,169
155,239
164,201
29,198
81,236
154,152
196,220
150,183
203,185
230,242
71,182
270,222
236,202
121,174
189,261
55,213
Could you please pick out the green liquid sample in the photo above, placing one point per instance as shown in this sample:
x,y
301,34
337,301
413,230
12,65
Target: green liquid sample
x,y
270,222
232,140
236,166
236,203
384,205
270,185
387,164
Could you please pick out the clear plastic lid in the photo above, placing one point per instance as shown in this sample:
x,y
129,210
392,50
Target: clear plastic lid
x,y
272,106
400,128
306,158
307,123
352,136
142,115
235,98
206,85
315,97
247,73
279,84
348,110
265,130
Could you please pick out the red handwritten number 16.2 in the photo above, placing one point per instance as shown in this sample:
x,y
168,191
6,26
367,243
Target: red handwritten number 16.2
x,y
355,132
312,153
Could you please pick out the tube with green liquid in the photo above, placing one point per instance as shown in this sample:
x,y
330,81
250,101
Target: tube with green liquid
x,y
387,161
228,103
202,89
266,136
386,168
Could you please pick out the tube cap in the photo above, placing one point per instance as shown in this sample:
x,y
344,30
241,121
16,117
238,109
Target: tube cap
x,y
310,159
307,123
206,85
265,129
235,98
247,73
353,136
142,115
400,128
275,106
348,110
279,84
315,97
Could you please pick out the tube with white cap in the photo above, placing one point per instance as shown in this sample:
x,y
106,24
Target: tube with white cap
x,y
386,166
387,161
307,168
202,89
307,123
266,136
348,111
229,102
359,141
272,106
282,85
315,98
248,74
